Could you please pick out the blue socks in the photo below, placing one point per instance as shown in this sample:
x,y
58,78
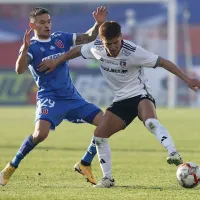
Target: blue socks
x,y
25,148
28,145
90,153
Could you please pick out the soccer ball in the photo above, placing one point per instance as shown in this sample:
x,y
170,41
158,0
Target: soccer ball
x,y
188,175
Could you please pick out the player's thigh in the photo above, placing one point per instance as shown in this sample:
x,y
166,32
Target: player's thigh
x,y
126,110
52,111
109,124
146,110
86,112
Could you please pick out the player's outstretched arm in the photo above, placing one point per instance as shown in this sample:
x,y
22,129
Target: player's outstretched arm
x,y
194,84
100,16
23,59
51,64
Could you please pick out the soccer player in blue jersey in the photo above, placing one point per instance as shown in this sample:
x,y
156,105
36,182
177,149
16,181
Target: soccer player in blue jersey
x,y
57,98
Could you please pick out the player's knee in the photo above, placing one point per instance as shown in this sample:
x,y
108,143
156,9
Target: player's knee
x,y
39,136
97,132
97,119
41,132
151,124
101,132
100,142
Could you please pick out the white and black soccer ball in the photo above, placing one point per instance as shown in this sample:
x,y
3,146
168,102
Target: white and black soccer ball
x,y
188,175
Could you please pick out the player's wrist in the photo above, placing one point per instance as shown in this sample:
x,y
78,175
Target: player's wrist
x,y
24,49
56,62
186,79
98,24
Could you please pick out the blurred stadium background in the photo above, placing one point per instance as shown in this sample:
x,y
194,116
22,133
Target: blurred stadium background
x,y
147,24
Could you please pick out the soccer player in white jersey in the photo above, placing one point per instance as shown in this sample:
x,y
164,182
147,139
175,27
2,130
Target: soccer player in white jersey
x,y
122,64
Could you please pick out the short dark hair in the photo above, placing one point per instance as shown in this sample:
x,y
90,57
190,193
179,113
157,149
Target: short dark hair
x,y
38,11
110,30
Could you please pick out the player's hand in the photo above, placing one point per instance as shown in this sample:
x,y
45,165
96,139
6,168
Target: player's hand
x,y
49,65
100,15
27,40
194,84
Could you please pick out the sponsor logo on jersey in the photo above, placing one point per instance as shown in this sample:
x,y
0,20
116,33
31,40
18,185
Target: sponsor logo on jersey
x,y
42,49
56,34
122,63
54,56
52,48
108,61
44,111
126,52
117,71
59,44
100,48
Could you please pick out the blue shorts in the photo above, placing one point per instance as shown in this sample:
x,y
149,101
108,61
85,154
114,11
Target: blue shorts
x,y
57,110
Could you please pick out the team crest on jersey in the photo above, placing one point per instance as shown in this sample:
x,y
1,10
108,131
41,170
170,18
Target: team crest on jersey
x,y
44,111
59,44
122,63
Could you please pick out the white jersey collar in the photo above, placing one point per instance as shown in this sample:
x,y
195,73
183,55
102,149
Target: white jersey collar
x,y
41,40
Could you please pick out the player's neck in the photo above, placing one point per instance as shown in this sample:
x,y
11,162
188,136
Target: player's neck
x,y
111,55
41,38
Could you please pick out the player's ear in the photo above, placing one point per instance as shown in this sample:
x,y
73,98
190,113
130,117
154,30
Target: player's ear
x,y
32,25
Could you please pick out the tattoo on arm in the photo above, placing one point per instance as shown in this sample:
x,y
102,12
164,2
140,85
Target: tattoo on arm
x,y
89,36
82,39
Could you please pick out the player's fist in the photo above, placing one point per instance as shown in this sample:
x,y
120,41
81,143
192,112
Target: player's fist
x,y
27,40
194,84
100,14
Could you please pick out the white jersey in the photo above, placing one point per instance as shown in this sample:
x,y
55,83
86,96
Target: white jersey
x,y
124,73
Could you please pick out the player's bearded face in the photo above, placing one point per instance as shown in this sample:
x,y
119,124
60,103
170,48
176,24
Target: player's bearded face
x,y
113,46
42,26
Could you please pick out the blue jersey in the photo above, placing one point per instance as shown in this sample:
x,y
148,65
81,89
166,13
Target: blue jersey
x,y
58,98
56,84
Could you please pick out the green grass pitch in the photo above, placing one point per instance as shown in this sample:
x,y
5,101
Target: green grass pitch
x,y
139,161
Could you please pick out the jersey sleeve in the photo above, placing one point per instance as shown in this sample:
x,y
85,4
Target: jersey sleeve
x,y
145,58
86,51
69,39
29,53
